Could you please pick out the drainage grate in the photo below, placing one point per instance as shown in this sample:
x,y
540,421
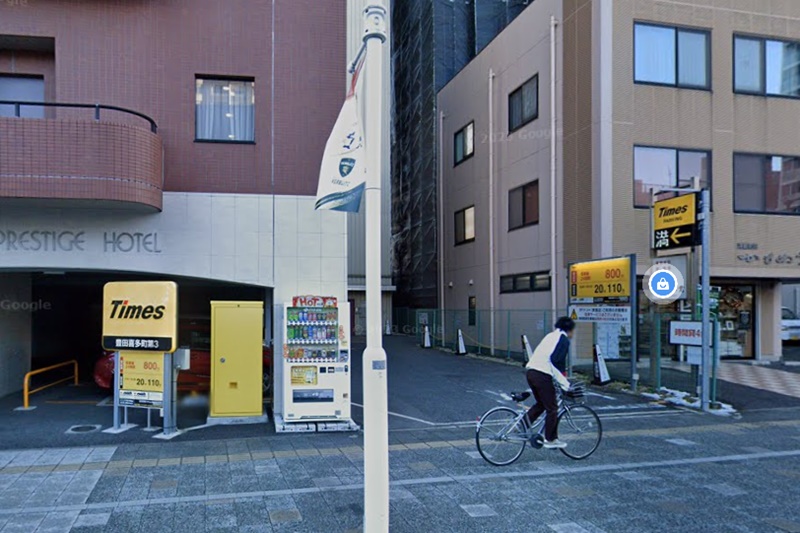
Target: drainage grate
x,y
83,429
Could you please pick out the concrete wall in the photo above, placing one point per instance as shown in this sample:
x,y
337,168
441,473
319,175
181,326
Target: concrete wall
x,y
519,52
215,236
15,331
771,347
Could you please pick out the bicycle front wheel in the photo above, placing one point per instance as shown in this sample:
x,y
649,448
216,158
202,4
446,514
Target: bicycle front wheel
x,y
580,428
500,437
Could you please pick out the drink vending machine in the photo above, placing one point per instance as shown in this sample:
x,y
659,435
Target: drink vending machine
x,y
313,377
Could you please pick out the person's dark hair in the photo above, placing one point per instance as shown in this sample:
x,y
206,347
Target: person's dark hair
x,y
565,324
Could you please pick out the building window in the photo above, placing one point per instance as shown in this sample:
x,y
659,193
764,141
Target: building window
x,y
465,225
523,104
667,167
523,206
529,282
464,143
225,110
766,67
676,57
766,184
22,89
472,306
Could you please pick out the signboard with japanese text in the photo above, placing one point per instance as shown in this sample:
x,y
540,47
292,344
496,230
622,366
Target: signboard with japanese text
x,y
141,371
609,314
675,222
314,301
140,316
600,281
688,333
602,292
141,379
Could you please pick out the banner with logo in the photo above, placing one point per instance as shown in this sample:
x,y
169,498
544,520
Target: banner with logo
x,y
342,172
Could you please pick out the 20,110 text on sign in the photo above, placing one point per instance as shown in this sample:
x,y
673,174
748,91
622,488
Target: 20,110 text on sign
x,y
606,280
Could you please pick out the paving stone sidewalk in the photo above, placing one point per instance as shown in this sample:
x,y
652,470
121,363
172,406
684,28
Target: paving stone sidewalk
x,y
646,476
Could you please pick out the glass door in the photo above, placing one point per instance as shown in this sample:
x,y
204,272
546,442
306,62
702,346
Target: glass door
x,y
737,321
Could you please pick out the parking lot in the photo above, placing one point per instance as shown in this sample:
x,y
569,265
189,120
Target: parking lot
x,y
683,469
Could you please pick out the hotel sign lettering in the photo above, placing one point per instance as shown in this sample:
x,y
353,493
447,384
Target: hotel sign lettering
x,y
41,240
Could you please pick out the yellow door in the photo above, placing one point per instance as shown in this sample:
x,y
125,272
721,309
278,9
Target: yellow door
x,y
236,358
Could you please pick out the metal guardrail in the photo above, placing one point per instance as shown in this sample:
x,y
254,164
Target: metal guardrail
x,y
18,104
27,383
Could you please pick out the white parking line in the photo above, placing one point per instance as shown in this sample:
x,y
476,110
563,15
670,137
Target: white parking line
x,y
421,421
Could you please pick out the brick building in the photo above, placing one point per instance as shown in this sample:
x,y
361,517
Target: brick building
x,y
194,157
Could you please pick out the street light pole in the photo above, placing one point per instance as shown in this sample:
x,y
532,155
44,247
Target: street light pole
x,y
376,425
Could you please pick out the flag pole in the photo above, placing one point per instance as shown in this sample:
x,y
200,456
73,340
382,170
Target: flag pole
x,y
376,425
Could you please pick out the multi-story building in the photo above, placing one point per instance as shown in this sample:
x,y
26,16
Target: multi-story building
x,y
432,41
195,158
641,95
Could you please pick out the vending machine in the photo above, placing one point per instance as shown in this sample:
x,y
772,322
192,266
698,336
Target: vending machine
x,y
312,381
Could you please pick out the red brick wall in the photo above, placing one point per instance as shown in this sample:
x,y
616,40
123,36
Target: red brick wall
x,y
144,55
32,64
79,159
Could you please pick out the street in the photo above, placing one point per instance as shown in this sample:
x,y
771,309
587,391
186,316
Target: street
x,y
658,468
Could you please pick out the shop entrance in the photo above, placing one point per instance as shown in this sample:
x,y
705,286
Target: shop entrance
x,y
737,321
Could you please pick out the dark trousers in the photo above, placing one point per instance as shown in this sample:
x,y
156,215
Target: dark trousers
x,y
545,393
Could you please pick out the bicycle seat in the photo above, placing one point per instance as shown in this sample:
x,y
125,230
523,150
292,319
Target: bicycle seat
x,y
520,396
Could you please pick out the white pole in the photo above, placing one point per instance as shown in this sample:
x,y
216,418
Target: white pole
x,y
491,214
553,264
376,425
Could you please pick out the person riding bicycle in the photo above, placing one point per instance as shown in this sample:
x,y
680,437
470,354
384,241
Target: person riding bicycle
x,y
547,363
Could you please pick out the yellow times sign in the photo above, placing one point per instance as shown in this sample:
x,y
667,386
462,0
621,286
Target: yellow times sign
x,y
675,212
141,371
603,280
141,316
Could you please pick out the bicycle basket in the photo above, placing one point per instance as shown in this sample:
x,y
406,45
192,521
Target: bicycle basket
x,y
576,392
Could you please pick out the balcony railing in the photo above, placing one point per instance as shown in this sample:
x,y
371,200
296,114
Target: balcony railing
x,y
19,105
73,154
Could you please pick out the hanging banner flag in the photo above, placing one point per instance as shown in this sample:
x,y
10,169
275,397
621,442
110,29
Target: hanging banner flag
x,y
342,174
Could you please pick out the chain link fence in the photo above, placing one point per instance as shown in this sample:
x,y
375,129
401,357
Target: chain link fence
x,y
499,334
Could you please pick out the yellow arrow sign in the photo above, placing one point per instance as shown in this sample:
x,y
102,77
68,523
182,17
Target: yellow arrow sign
x,y
676,236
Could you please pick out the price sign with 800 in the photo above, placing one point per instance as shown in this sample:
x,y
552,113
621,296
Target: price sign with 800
x,y
611,287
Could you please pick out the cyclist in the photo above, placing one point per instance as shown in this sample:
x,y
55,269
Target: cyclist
x,y
547,363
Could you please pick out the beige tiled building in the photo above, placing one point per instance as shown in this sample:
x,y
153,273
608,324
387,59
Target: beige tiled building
x,y
646,93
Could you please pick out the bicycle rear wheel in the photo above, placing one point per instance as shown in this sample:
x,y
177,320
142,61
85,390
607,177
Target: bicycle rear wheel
x,y
499,437
579,426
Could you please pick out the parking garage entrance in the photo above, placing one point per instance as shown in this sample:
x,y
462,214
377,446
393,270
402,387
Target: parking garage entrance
x,y
60,317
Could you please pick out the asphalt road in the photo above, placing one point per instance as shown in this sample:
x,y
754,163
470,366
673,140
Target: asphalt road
x,y
657,469
428,388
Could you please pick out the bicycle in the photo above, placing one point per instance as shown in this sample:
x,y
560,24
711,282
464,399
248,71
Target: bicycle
x,y
578,426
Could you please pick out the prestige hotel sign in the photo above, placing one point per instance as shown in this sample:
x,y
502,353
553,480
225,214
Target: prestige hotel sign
x,y
41,240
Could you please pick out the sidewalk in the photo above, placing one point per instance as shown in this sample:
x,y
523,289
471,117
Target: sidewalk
x,y
439,483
